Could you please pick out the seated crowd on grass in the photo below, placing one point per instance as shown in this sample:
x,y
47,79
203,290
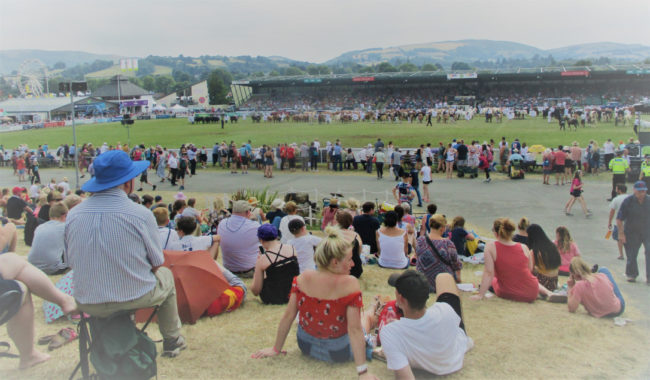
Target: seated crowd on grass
x,y
316,277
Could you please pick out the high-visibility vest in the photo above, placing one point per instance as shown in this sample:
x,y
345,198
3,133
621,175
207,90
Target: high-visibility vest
x,y
645,169
618,165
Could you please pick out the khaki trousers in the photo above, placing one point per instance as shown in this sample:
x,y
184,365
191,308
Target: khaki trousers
x,y
163,294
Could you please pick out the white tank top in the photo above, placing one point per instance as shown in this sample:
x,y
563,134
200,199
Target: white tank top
x,y
451,155
392,251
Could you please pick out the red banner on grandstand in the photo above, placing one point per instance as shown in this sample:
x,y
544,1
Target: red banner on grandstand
x,y
363,79
576,73
54,124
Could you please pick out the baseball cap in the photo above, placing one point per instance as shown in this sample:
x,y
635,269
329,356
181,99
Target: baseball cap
x,y
240,207
412,285
640,186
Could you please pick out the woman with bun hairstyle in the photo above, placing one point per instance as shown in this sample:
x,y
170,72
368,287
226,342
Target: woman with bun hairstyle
x,y
508,268
546,257
329,301
522,236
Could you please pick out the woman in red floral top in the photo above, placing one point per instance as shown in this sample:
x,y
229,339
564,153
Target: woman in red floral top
x,y
329,301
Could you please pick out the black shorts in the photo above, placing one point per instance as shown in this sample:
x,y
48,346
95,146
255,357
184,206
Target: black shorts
x,y
180,173
244,160
558,168
11,300
143,177
453,301
576,193
426,182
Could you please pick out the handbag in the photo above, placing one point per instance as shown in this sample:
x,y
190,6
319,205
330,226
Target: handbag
x,y
444,261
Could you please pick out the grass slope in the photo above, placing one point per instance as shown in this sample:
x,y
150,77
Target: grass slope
x,y
512,341
173,132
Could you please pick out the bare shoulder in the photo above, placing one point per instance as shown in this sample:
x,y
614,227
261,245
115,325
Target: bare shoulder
x,y
350,284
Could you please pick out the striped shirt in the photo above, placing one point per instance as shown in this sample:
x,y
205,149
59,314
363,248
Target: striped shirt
x,y
112,244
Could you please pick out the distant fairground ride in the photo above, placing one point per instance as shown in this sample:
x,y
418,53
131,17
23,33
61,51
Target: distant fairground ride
x,y
31,76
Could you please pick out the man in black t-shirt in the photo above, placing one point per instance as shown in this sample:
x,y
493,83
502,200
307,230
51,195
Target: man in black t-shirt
x,y
16,206
462,154
366,225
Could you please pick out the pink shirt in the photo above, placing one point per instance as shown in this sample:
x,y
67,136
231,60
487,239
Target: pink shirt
x,y
567,256
559,157
576,182
596,296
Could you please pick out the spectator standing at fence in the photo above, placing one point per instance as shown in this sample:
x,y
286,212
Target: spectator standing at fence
x,y
314,156
396,162
304,156
610,149
379,158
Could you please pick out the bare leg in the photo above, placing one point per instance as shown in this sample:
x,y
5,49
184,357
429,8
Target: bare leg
x,y
21,330
570,204
14,267
583,204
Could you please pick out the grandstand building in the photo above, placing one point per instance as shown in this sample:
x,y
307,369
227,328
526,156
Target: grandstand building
x,y
587,85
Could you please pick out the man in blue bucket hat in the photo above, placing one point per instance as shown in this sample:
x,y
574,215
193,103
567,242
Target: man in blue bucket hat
x,y
112,245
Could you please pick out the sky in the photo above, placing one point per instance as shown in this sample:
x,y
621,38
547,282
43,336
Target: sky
x,y
313,31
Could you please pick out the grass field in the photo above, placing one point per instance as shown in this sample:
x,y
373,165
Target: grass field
x,y
173,132
512,341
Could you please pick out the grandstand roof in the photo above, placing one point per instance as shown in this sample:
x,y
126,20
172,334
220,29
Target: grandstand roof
x,y
126,89
442,75
27,105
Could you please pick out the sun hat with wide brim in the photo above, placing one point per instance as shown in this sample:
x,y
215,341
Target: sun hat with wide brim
x,y
113,168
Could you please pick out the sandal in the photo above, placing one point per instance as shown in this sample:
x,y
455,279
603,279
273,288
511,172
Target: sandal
x,y
378,354
63,337
45,339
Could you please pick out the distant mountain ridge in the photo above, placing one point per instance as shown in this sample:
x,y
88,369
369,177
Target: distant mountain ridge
x,y
447,52
443,52
12,59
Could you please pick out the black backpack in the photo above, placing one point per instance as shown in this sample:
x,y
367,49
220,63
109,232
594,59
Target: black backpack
x,y
30,227
116,348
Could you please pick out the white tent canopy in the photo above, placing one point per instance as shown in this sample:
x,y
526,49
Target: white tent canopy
x,y
178,109
159,107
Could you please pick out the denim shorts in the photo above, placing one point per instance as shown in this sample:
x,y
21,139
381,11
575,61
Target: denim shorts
x,y
335,350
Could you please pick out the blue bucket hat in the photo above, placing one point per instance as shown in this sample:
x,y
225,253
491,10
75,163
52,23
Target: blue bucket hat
x,y
113,168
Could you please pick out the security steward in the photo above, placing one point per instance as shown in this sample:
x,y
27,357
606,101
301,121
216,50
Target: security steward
x,y
645,171
619,166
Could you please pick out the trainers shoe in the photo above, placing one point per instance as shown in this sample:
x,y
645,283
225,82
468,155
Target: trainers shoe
x,y
154,188
181,188
173,347
559,296
140,189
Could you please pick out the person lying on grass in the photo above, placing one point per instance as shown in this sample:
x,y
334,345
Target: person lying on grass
x,y
329,301
597,292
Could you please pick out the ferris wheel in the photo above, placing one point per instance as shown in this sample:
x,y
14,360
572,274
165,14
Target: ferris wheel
x,y
31,76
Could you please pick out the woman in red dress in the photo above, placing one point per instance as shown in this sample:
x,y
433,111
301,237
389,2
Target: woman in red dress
x,y
508,268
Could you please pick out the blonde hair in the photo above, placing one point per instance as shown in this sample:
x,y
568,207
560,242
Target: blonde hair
x,y
57,210
71,200
353,204
333,246
218,204
504,228
524,223
564,239
162,215
290,207
458,221
42,199
581,268
437,221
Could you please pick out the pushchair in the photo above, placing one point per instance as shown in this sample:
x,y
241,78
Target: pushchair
x,y
516,171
